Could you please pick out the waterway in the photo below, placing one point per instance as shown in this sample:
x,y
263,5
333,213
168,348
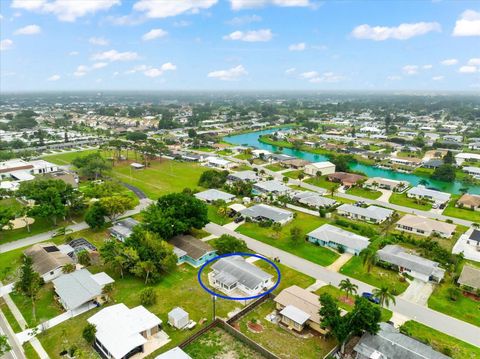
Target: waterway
x,y
251,139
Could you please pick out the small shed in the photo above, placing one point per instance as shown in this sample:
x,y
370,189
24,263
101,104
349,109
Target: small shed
x,y
178,318
137,166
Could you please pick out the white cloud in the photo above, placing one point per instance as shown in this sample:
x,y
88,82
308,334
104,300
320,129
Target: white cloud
x,y
154,34
474,61
244,20
65,10
301,46
54,78
427,67
73,53
449,62
437,78
81,71
315,77
167,8
401,32
228,75
182,23
99,65
394,78
138,68
5,44
410,69
250,36
125,20
114,55
468,24
290,71
468,69
28,30
98,41
150,71
247,4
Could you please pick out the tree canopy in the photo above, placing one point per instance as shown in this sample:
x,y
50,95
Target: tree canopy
x,y
213,179
229,244
92,166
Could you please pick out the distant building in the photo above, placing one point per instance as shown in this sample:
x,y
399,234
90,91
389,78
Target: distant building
x,y
213,195
262,212
346,179
273,187
334,237
385,183
243,176
470,201
321,168
313,199
20,170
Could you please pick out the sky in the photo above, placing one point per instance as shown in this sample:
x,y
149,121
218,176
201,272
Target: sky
x,y
73,45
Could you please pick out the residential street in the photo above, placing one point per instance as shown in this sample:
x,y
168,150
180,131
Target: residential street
x,y
441,322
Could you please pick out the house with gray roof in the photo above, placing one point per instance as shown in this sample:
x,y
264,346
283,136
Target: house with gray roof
x,y
411,264
273,187
233,273
470,277
334,237
213,195
372,214
243,176
425,226
313,200
123,229
421,192
192,250
389,343
80,287
263,212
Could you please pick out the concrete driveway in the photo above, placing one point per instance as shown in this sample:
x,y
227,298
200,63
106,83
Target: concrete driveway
x,y
344,258
418,292
385,195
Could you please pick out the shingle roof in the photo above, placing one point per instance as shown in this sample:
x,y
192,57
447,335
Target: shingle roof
x,y
193,247
329,233
470,200
47,257
272,186
426,224
302,299
262,210
214,195
375,212
313,199
435,195
470,276
244,175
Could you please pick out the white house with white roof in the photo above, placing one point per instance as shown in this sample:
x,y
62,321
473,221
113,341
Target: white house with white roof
x,y
322,168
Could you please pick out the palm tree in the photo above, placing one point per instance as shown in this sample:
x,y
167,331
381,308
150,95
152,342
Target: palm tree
x,y
68,268
384,295
348,287
369,258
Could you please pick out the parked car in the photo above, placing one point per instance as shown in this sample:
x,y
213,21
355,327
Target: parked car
x,y
370,297
238,219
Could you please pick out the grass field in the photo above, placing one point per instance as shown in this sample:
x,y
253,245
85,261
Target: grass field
x,y
293,174
321,182
340,296
66,158
401,199
364,192
441,342
377,277
9,315
280,341
214,217
462,213
306,223
275,167
289,276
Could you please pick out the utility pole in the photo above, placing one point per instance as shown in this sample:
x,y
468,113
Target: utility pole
x,y
214,299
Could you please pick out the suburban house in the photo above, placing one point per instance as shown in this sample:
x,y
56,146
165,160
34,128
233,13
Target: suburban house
x,y
409,162
298,308
473,238
243,176
334,237
213,195
372,214
390,343
231,274
217,162
462,157
416,266
191,250
385,183
470,277
48,260
346,179
295,163
313,199
262,212
123,229
320,168
20,170
80,287
470,201
421,192
433,163
425,226
123,332
271,187
174,353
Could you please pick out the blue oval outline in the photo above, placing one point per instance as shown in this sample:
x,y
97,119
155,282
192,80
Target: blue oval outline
x,y
243,254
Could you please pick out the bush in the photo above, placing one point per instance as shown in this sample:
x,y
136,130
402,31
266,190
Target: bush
x,y
95,216
453,293
229,244
148,296
89,333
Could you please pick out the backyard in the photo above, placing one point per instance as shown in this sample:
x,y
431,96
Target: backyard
x,y
401,199
377,277
282,239
321,181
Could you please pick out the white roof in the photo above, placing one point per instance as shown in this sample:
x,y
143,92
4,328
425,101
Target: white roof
x,y
329,233
324,164
214,195
38,164
237,207
119,328
295,314
218,161
175,353
177,313
22,175
102,279
136,165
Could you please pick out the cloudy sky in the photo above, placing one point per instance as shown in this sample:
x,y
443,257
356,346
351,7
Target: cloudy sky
x,y
239,44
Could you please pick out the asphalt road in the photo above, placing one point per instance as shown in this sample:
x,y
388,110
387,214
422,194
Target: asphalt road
x,y
439,321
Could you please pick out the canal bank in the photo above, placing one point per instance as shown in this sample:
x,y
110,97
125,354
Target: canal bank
x,y
252,139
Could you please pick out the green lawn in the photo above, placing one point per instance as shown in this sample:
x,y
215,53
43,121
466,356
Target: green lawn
x,y
12,203
344,301
66,158
241,167
280,341
30,353
288,278
441,342
321,181
244,156
275,167
364,192
401,199
281,240
214,217
293,174
463,308
462,213
9,315
377,277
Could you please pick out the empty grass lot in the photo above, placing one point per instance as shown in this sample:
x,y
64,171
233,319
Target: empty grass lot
x,y
401,199
275,167
321,181
377,277
293,174
441,342
462,213
364,192
281,240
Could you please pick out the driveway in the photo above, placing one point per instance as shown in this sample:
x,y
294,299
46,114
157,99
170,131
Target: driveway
x,y
344,258
418,292
385,195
